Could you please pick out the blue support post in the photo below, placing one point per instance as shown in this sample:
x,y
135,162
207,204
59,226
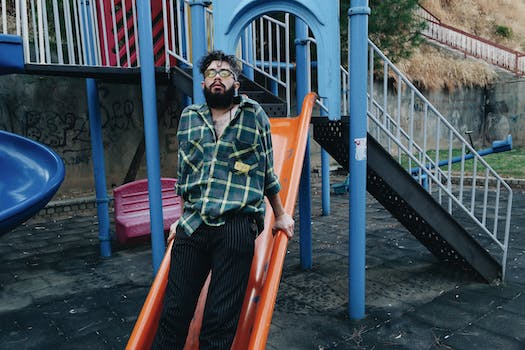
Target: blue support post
x,y
274,88
247,52
357,63
149,103
325,176
198,46
325,184
305,195
97,152
187,100
97,144
183,29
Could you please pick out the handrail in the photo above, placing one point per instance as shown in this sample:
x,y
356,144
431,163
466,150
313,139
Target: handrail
x,y
472,45
419,137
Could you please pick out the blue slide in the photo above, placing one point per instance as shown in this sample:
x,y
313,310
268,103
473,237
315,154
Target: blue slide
x,y
30,175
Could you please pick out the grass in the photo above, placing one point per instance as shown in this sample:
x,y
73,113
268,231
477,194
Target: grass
x,y
510,164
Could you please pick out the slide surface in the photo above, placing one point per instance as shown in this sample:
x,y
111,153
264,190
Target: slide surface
x,y
31,175
289,137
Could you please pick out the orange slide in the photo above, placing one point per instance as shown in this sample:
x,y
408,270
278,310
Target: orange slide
x,y
289,136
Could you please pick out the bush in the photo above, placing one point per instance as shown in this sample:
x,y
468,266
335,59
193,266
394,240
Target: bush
x,y
503,31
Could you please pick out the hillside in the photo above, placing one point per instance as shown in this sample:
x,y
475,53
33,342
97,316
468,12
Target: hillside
x,y
431,67
497,20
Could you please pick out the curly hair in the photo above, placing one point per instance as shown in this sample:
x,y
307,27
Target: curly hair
x,y
222,57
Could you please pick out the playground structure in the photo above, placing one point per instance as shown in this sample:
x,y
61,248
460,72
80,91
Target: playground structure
x,y
404,130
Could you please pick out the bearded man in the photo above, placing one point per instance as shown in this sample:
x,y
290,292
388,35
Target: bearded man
x,y
225,169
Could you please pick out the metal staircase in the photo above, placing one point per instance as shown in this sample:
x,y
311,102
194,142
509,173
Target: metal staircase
x,y
404,197
426,174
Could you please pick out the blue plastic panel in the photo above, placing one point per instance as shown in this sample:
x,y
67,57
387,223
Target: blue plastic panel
x,y
30,174
11,54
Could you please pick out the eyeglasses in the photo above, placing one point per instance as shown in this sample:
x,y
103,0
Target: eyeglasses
x,y
223,73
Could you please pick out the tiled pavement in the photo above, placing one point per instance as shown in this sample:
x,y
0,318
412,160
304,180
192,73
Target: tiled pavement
x,y
56,292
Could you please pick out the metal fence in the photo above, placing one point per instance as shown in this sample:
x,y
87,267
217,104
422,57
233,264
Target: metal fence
x,y
92,33
473,45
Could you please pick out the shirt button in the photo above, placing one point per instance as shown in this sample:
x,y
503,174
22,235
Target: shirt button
x,y
206,200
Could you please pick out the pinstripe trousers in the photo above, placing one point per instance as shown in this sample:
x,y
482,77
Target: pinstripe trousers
x,y
227,251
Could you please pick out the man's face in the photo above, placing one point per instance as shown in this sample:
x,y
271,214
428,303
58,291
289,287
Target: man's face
x,y
219,85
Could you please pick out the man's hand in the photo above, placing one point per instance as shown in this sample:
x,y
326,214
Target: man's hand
x,y
284,222
173,229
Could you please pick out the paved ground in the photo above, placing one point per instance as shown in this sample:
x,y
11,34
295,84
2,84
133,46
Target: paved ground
x,y
57,293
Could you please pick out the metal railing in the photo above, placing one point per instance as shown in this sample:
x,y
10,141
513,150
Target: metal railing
x,y
437,155
268,53
103,33
472,45
91,33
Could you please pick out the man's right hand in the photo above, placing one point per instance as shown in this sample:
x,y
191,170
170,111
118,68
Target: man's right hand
x,y
173,229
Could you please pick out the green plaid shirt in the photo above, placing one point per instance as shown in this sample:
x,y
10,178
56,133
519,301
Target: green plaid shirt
x,y
226,176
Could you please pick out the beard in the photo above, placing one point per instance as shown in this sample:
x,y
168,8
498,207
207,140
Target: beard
x,y
219,99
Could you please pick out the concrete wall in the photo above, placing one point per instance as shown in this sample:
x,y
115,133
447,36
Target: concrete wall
x,y
491,113
505,111
53,111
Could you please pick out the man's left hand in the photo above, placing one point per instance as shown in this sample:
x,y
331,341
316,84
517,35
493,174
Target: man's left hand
x,y
284,222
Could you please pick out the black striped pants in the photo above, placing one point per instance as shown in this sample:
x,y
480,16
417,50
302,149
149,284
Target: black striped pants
x,y
227,251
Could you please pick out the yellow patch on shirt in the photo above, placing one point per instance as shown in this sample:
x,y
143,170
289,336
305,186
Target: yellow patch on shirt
x,y
240,166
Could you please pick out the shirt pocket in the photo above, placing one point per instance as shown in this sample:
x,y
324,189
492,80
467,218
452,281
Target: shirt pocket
x,y
191,156
245,158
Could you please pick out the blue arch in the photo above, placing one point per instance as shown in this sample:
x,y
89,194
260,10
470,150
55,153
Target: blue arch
x,y
231,17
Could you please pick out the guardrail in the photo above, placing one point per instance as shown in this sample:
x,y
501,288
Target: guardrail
x,y
88,33
472,45
428,146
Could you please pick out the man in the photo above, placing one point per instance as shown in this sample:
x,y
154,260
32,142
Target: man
x,y
225,168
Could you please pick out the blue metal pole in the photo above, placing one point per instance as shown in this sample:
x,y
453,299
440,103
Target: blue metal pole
x,y
97,151
274,88
247,52
325,176
357,63
187,100
149,100
325,184
305,195
97,144
198,46
183,29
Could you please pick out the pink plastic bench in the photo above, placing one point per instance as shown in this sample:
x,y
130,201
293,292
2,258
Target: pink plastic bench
x,y
132,217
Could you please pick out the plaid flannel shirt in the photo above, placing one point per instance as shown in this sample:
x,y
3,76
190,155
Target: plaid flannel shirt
x,y
225,176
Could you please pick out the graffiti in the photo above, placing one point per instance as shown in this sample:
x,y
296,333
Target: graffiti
x,y
66,132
